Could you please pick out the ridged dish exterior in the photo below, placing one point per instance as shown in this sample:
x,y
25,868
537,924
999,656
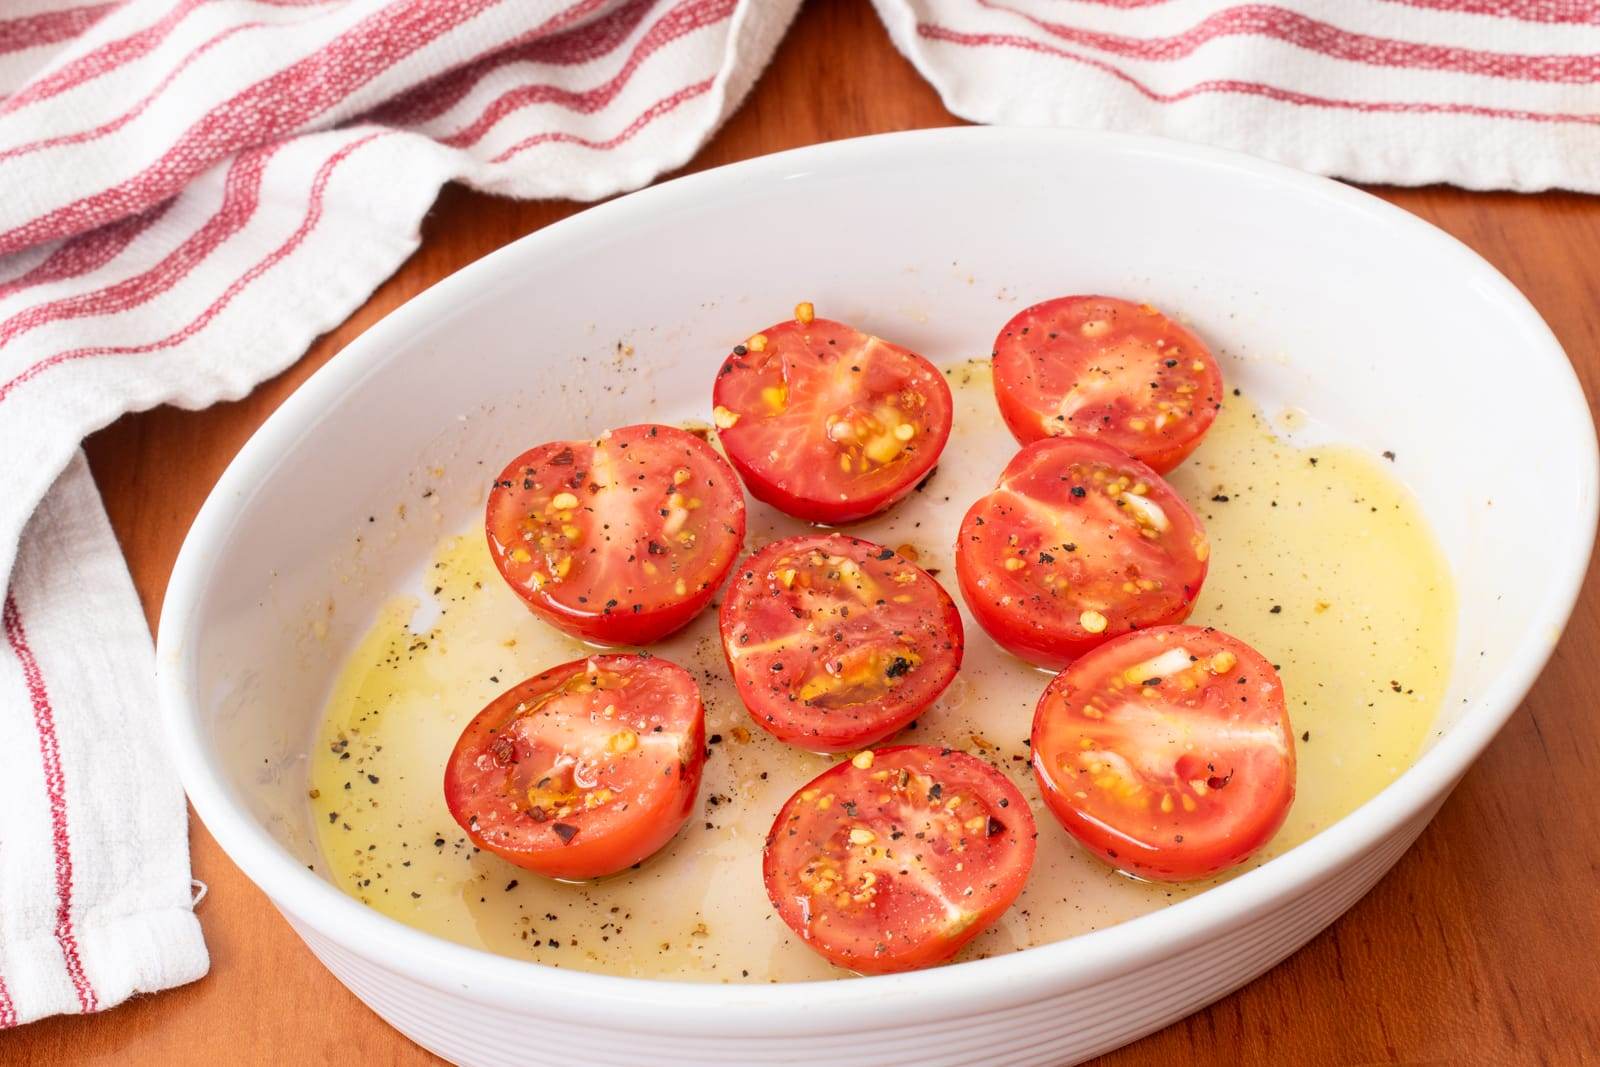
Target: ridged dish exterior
x,y
1066,1027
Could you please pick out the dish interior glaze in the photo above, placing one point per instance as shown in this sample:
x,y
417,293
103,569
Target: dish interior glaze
x,y
1319,558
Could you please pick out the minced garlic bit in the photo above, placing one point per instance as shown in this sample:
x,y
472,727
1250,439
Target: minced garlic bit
x,y
804,312
563,501
862,760
1093,621
1223,662
1145,511
723,417
860,835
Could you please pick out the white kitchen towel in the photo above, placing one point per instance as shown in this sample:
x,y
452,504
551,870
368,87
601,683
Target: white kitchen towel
x,y
191,192
1487,94
94,867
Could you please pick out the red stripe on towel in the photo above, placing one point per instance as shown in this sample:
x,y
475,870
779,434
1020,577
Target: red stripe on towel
x,y
113,125
585,44
679,22
241,196
1555,11
56,788
313,216
1322,38
103,60
85,253
49,27
274,106
650,114
947,35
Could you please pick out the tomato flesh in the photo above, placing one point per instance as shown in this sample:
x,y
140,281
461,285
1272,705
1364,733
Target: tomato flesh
x,y
584,770
1108,369
1077,544
1167,753
835,642
620,540
897,858
827,423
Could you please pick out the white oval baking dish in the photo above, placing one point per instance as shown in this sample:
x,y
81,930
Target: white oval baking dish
x,y
1389,333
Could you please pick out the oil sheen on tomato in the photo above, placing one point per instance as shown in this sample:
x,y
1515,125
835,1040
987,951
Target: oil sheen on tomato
x,y
1364,603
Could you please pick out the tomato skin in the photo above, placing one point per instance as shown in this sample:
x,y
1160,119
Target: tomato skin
x,y
485,778
892,923
783,450
1125,360
1100,552
606,595
901,680
1246,789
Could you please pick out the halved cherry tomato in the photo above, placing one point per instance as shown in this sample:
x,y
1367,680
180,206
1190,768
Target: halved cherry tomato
x,y
583,770
622,539
1096,366
1168,752
827,423
835,642
1077,544
895,859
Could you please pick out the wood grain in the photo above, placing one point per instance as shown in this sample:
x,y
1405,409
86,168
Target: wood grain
x,y
1483,945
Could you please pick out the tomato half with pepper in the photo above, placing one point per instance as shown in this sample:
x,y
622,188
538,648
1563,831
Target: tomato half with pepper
x,y
895,859
827,423
1077,544
835,642
583,770
621,539
1107,369
1168,753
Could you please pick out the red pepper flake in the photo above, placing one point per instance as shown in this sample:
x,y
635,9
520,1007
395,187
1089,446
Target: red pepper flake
x,y
565,831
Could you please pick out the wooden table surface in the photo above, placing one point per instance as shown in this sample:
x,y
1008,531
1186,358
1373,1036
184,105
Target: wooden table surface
x,y
1483,944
